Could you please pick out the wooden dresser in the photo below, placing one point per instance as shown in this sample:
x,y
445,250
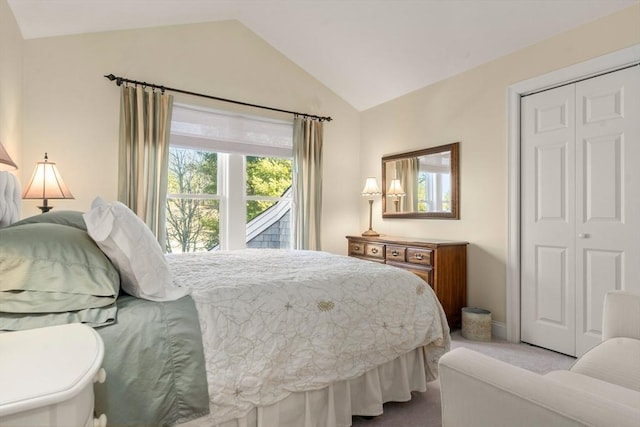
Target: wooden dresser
x,y
441,263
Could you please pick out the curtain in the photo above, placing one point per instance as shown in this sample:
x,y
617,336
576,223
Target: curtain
x,y
307,184
408,171
145,125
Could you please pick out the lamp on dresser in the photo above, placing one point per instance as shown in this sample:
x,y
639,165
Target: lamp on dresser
x,y
370,190
46,183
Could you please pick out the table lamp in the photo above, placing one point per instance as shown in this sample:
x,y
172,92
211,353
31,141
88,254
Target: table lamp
x,y
370,190
46,183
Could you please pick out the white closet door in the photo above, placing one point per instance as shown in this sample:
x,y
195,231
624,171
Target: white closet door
x,y
607,195
580,207
548,220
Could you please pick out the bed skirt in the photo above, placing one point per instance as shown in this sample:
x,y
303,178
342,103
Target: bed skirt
x,y
333,406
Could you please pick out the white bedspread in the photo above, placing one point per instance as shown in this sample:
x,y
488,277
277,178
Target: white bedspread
x,y
275,321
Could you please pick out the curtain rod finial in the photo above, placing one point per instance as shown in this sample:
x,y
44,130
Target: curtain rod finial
x,y
111,77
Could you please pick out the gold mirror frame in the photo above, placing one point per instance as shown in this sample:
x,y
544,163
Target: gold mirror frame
x,y
391,209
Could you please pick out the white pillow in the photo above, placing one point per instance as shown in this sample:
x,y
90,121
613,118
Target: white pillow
x,y
132,248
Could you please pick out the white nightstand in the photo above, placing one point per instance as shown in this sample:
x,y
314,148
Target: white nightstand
x,y
47,376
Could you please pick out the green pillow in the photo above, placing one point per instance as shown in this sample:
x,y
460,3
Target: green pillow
x,y
53,274
70,218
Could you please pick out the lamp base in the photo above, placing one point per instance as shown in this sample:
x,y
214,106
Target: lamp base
x,y
45,209
370,231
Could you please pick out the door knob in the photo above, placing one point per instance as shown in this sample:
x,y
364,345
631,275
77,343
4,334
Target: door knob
x,y
583,235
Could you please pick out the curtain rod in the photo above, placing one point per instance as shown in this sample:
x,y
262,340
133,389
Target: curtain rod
x,y
120,80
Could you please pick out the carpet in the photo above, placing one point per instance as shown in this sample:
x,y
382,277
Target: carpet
x,y
423,410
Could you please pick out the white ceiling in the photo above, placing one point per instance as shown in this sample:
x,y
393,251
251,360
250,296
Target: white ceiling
x,y
366,51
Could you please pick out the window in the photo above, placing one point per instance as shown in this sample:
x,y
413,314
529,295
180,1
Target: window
x,y
229,183
434,194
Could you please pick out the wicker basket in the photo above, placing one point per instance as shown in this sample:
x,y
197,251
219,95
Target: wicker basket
x,y
476,324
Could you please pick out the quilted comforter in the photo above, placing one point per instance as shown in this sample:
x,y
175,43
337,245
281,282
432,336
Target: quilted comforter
x,y
275,322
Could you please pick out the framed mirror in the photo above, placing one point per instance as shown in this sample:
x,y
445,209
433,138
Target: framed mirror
x,y
422,183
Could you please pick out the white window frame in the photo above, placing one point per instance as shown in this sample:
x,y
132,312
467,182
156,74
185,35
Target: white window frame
x,y
231,179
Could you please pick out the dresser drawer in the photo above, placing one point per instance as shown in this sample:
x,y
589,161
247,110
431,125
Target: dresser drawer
x,y
419,256
374,250
426,275
356,248
395,253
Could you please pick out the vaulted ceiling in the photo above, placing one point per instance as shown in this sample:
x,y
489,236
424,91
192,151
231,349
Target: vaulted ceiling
x,y
366,51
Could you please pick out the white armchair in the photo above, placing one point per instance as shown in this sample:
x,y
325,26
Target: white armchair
x,y
621,315
601,389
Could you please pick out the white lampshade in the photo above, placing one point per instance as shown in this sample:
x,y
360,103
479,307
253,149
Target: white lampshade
x,y
46,183
5,160
371,188
395,188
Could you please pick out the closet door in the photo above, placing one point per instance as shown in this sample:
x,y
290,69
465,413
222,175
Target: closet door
x,y
548,220
607,195
580,207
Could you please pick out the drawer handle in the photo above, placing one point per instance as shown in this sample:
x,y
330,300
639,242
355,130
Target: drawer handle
x,y
395,253
101,376
418,256
356,247
374,250
101,421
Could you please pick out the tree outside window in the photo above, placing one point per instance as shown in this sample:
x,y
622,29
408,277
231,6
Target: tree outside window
x,y
193,219
193,203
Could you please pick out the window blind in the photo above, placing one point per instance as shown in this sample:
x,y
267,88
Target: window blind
x,y
210,130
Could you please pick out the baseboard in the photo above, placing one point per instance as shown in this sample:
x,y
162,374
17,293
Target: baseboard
x,y
499,330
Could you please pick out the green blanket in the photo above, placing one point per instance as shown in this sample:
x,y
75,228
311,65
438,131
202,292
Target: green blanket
x,y
155,364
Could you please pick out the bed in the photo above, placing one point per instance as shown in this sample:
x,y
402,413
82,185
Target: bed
x,y
231,338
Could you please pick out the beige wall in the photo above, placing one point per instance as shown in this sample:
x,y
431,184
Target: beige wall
x,y
471,108
10,84
71,110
